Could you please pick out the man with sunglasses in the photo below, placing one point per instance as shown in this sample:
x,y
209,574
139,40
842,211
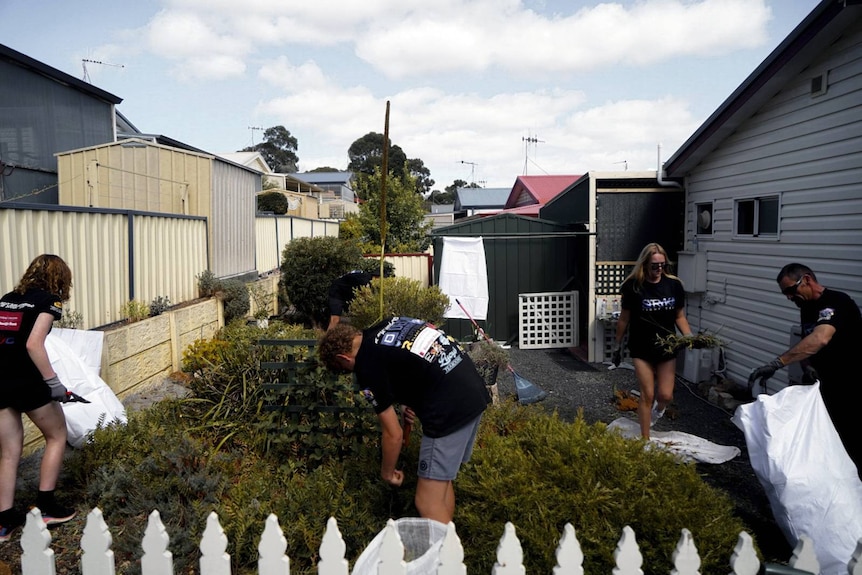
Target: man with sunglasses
x,y
831,336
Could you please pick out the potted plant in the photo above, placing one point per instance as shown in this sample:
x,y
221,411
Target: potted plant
x,y
489,359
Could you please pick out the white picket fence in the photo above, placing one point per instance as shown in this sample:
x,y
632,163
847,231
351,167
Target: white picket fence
x,y
98,559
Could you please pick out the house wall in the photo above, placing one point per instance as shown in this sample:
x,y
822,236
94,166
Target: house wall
x,y
40,116
234,206
808,150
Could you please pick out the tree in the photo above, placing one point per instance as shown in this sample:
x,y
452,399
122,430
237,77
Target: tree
x,y
278,149
366,154
417,169
404,220
453,187
437,197
326,169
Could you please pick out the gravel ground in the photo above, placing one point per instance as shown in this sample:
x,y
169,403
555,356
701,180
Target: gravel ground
x,y
575,387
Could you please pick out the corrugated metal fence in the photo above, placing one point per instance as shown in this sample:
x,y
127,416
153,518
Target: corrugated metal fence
x,y
274,232
115,255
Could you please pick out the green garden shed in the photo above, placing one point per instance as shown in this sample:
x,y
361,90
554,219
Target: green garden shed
x,y
523,255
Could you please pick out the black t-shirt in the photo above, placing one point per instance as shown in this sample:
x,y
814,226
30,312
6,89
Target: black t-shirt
x,y
653,312
837,309
341,290
18,313
409,361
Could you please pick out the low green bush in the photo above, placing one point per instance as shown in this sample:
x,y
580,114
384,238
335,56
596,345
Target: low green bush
x,y
221,450
236,299
540,473
401,297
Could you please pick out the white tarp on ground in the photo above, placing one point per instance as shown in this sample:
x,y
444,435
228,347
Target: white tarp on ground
x,y
689,447
811,482
464,276
83,379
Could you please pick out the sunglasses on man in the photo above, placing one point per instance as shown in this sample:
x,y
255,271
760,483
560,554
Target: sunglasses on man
x,y
791,290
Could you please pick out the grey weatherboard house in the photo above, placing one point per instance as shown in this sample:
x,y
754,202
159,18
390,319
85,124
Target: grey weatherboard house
x,y
774,176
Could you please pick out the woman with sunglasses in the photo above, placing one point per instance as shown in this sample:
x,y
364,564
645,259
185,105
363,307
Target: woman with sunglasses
x,y
653,307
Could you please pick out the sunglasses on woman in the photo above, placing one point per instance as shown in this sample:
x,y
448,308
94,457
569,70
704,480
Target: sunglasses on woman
x,y
658,266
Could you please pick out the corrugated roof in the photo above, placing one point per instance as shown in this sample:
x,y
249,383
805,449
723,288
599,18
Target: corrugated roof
x,y
63,78
319,178
482,197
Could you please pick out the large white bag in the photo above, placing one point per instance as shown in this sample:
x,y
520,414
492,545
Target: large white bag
x,y
104,406
422,540
811,482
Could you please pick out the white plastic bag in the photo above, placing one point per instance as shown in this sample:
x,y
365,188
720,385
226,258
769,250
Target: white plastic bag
x,y
104,406
811,482
422,540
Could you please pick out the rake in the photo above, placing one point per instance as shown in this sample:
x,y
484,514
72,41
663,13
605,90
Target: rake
x,y
527,392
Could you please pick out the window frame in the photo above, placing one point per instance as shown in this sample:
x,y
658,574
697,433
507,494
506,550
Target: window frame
x,y
710,205
757,202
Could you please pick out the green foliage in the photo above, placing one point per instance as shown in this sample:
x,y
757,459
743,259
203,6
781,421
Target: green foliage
x,y
70,320
540,472
208,284
135,310
274,202
528,467
401,297
404,222
236,299
372,266
278,149
262,298
159,305
308,266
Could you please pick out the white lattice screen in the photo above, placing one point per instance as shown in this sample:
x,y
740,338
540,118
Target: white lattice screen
x,y
547,320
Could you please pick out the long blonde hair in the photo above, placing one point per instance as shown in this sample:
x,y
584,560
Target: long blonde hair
x,y
638,274
47,272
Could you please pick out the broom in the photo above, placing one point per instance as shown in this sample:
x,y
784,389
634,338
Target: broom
x,y
527,392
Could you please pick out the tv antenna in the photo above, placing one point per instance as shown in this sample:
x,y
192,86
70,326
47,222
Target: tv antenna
x,y
84,61
472,170
253,128
527,141
625,164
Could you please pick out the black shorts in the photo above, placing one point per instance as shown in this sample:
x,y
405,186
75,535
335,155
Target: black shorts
x,y
24,396
652,355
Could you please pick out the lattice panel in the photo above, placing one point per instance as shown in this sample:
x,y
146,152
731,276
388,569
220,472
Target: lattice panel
x,y
606,336
609,278
547,320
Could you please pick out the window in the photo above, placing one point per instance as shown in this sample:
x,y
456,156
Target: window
x,y
757,217
703,219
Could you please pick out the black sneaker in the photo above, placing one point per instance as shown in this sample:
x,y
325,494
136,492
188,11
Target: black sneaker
x,y
11,525
54,514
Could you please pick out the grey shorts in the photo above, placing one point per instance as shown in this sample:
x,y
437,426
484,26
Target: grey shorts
x,y
440,458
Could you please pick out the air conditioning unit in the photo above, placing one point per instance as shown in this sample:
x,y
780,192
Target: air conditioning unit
x,y
691,269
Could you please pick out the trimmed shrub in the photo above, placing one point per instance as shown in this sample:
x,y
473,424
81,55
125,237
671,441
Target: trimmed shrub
x,y
159,305
274,202
308,266
402,297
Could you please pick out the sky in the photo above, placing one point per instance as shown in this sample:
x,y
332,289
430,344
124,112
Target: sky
x,y
480,90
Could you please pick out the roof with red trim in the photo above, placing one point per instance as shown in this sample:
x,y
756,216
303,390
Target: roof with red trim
x,y
532,192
